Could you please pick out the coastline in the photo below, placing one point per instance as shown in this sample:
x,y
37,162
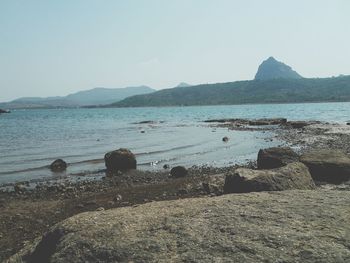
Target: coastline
x,y
28,214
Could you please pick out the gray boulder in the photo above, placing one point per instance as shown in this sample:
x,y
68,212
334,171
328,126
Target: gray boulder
x,y
292,176
289,226
325,165
276,157
58,165
120,160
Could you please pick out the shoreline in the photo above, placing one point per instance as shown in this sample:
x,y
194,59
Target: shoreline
x,y
28,214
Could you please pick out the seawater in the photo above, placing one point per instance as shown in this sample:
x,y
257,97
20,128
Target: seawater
x,y
31,139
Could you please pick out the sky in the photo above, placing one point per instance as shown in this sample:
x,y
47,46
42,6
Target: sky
x,y
54,48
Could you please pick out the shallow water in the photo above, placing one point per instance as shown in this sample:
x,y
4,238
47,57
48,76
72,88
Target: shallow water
x,y
31,139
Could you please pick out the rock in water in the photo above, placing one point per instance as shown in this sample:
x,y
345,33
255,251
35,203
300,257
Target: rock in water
x,y
120,160
58,166
273,69
178,171
288,226
325,165
292,176
276,157
225,139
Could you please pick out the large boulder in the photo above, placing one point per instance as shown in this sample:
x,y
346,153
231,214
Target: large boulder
x,y
120,160
289,226
292,176
276,157
58,165
327,165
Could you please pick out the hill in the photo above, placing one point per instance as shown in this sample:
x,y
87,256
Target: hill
x,y
273,69
250,91
96,96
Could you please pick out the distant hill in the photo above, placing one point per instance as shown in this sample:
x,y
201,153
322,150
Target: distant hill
x,y
280,90
96,96
183,85
273,69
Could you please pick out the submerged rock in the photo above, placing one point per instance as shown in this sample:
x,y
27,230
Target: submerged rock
x,y
276,157
289,226
225,139
327,165
120,160
58,165
292,176
178,171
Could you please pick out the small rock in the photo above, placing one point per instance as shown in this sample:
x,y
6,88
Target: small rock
x,y
178,171
142,131
58,165
118,198
100,209
120,160
166,166
19,188
225,139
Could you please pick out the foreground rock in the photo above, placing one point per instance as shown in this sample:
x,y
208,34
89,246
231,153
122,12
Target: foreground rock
x,y
276,157
331,166
178,171
58,165
120,160
292,176
289,226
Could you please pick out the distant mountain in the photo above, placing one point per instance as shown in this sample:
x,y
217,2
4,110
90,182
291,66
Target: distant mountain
x,y
281,90
273,69
183,85
96,96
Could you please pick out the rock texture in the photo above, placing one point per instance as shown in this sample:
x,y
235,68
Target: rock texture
x,y
292,176
273,69
276,157
328,165
120,160
58,165
178,171
289,226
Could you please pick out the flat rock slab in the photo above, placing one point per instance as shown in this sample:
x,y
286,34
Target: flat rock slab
x,y
292,176
289,226
327,165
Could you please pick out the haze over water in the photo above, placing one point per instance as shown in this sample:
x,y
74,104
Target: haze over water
x,y
32,139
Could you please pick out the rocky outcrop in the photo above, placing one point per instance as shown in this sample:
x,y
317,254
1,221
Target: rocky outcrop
x,y
251,122
178,171
58,165
276,157
273,69
327,165
120,160
289,226
292,176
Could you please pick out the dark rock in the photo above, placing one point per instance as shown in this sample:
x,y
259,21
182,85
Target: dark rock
x,y
276,157
166,166
292,176
120,160
348,123
58,165
260,122
4,111
297,124
178,171
325,165
142,131
225,139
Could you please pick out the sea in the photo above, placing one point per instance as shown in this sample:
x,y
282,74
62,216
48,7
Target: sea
x,y
31,139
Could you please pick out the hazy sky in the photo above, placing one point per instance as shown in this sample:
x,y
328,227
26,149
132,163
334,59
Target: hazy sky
x,y
50,48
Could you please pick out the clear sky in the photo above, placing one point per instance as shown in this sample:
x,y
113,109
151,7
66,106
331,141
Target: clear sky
x,y
51,47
